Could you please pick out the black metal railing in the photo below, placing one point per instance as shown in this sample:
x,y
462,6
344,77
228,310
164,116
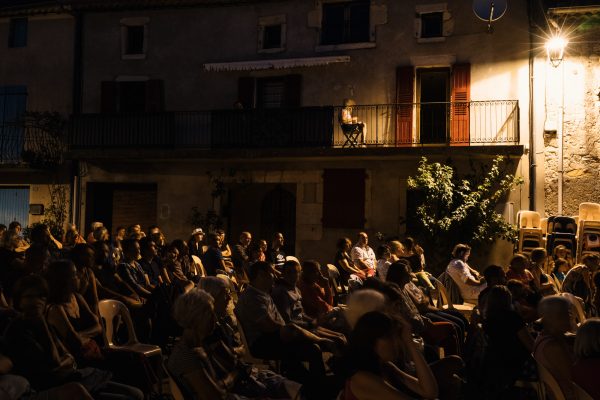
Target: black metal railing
x,y
24,143
383,125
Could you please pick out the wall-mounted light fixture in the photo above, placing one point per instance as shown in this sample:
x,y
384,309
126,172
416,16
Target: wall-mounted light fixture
x,y
555,48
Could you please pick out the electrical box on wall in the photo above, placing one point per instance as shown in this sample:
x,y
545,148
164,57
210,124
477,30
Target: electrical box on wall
x,y
36,209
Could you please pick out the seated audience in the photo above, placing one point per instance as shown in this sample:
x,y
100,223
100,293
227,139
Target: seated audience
x,y
541,282
212,259
276,255
240,255
578,279
525,300
84,258
288,299
209,372
268,336
363,256
509,346
494,275
344,262
561,267
317,297
403,278
371,364
150,261
466,278
552,348
384,257
518,270
175,271
39,355
69,314
195,242
587,356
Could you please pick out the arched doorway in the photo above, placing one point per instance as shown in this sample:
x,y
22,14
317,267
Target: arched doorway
x,y
278,214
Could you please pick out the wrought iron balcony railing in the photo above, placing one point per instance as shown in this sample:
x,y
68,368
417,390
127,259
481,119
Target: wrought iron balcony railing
x,y
383,125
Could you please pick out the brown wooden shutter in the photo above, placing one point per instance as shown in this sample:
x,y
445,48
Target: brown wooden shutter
x,y
344,198
405,81
108,97
461,95
246,91
293,91
155,95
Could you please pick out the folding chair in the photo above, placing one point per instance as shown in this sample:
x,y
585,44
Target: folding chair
x,y
444,302
352,134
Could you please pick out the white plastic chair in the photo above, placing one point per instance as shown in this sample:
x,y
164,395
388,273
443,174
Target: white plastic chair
x,y
550,382
111,309
589,212
444,303
579,311
529,219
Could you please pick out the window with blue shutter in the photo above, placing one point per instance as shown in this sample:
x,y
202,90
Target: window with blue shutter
x,y
17,32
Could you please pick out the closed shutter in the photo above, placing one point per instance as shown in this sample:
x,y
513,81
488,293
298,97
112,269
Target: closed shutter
x,y
246,91
405,81
134,204
344,198
461,95
293,91
108,97
155,95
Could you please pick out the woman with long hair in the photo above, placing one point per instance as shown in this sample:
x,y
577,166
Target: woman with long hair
x,y
375,346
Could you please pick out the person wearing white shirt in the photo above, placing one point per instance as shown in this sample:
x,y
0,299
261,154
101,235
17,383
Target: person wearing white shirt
x,y
469,282
363,256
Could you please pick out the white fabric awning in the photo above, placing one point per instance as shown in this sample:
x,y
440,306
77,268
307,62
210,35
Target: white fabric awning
x,y
275,64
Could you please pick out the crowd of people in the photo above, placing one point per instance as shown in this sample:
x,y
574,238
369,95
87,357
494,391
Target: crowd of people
x,y
248,321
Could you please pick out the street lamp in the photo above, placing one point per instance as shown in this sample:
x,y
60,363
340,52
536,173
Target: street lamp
x,y
555,48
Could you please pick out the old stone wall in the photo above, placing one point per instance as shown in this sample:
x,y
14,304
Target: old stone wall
x,y
581,129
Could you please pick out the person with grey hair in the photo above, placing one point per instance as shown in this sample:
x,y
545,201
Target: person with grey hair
x,y
587,352
194,359
552,348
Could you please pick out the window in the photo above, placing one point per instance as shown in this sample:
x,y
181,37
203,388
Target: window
x,y
271,92
132,96
432,25
17,32
271,34
272,37
134,38
347,22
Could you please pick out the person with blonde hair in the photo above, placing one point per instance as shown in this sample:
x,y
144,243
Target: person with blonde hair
x,y
349,122
587,354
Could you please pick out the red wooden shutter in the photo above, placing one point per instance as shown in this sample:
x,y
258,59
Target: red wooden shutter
x,y
246,91
405,81
293,91
155,96
461,95
108,97
344,198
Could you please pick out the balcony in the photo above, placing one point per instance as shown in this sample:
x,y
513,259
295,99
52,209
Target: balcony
x,y
30,140
476,123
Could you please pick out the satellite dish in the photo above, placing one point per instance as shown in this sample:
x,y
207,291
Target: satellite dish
x,y
489,10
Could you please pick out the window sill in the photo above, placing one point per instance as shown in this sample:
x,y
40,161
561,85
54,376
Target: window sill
x,y
431,40
133,56
345,46
271,51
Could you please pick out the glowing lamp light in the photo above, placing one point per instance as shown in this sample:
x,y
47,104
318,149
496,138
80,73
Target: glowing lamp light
x,y
555,47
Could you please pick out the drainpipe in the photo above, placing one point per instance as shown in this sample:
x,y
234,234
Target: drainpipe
x,y
560,138
76,109
532,154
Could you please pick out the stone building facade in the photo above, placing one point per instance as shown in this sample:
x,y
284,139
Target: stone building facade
x,y
575,83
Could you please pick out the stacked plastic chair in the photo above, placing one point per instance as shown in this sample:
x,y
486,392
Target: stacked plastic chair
x,y
588,232
530,231
562,230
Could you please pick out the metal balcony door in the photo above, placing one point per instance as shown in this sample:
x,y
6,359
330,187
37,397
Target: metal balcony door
x,y
14,205
433,99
